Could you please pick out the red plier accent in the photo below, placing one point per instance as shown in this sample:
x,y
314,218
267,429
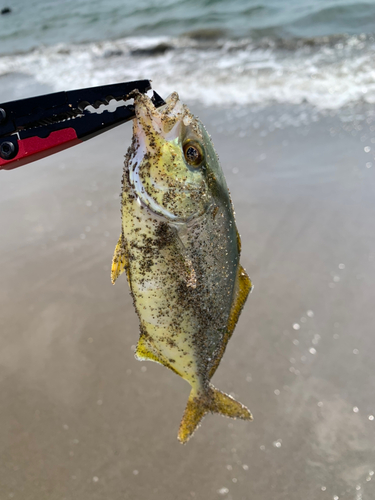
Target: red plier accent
x,y
36,127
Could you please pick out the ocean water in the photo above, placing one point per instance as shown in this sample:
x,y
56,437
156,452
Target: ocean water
x,y
215,52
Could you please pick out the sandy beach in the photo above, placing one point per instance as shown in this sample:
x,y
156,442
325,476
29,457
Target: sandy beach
x,y
81,419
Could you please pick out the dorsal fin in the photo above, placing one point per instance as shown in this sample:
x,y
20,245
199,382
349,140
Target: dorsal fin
x,y
242,290
244,287
238,242
120,261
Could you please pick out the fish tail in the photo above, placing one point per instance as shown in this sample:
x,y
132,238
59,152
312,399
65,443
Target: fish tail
x,y
210,401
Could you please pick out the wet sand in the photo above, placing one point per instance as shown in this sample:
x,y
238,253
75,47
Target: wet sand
x,y
82,419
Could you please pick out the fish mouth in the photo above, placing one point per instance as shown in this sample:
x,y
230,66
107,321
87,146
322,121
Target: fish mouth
x,y
162,120
152,127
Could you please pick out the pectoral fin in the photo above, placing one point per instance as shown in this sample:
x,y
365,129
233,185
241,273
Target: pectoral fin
x,y
119,261
242,290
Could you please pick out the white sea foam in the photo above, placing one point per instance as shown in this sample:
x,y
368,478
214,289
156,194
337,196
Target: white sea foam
x,y
327,74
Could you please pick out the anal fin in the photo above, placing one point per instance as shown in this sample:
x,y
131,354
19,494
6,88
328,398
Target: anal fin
x,y
119,261
145,351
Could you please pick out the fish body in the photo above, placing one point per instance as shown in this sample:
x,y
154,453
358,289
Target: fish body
x,y
180,248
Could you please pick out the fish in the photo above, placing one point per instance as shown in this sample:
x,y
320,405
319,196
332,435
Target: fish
x,y
180,250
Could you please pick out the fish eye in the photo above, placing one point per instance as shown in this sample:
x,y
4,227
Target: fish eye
x,y
193,154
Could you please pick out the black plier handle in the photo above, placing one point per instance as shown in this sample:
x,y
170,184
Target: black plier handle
x,y
36,127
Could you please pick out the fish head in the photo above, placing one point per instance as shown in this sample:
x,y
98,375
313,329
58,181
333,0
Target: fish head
x,y
171,159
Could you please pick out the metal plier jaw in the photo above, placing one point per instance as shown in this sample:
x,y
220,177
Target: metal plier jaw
x,y
36,127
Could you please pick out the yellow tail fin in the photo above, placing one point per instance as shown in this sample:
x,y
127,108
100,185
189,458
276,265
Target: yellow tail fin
x,y
211,401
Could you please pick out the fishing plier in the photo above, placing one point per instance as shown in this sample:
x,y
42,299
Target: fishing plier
x,y
36,127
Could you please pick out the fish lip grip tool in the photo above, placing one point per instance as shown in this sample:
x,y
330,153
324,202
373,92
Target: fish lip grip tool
x,y
37,127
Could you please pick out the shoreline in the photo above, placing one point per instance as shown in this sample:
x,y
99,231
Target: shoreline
x,y
78,406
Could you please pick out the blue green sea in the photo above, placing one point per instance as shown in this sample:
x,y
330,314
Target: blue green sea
x,y
213,51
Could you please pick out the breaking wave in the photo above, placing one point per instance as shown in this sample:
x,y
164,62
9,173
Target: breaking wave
x,y
326,72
